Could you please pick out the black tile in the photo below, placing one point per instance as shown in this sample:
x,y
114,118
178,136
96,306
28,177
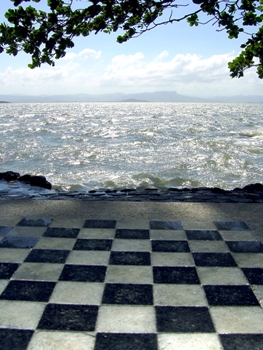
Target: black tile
x,y
83,273
69,317
18,242
132,234
166,225
48,256
61,232
242,341
130,258
214,259
254,275
14,339
230,296
43,222
100,224
170,246
131,294
175,275
7,270
130,341
28,290
4,230
183,319
206,235
93,244
231,225
245,246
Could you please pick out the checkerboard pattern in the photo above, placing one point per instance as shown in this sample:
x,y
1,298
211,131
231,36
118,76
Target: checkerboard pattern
x,y
114,285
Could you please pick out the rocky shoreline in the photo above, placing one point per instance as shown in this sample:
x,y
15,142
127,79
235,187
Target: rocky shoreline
x,y
249,194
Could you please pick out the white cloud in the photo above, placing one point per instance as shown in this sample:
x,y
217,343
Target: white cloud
x,y
181,68
69,56
84,54
162,55
49,80
27,76
188,74
89,53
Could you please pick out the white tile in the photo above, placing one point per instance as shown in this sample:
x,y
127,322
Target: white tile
x,y
237,319
126,319
201,246
138,245
68,223
238,235
10,221
3,284
38,271
258,291
176,235
13,255
77,293
55,243
129,274
88,257
133,224
221,275
43,340
172,259
97,233
179,295
249,259
182,341
20,314
27,231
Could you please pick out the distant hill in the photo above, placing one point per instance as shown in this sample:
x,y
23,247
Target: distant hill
x,y
133,100
157,96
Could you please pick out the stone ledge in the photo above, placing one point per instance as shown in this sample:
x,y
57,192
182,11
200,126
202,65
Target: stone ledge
x,y
249,194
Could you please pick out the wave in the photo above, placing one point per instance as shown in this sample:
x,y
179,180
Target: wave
x,y
252,133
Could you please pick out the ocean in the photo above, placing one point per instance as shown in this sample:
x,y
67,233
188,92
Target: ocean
x,y
87,146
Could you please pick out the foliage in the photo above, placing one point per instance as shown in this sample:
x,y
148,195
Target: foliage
x,y
46,35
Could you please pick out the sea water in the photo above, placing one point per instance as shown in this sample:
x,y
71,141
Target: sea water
x,y
84,146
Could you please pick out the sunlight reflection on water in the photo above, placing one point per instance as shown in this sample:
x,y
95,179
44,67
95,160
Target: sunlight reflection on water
x,y
98,145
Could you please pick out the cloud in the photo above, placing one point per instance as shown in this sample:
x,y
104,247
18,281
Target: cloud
x,y
89,53
188,74
84,54
26,76
162,55
68,76
181,68
49,80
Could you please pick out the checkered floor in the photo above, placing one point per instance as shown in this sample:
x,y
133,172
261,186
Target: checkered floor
x,y
104,284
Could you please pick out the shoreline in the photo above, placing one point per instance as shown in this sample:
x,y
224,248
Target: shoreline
x,y
252,193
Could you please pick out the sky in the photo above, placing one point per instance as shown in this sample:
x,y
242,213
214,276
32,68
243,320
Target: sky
x,y
189,60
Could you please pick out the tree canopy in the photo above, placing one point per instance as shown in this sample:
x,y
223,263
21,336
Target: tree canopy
x,y
46,35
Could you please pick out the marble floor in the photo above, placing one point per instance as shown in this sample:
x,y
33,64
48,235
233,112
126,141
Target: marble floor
x,y
129,283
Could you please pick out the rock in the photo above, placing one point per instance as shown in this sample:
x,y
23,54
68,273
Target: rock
x,y
127,190
24,178
9,176
253,187
40,181
218,190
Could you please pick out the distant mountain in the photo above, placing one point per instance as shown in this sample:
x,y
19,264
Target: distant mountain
x,y
166,96
133,100
157,96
